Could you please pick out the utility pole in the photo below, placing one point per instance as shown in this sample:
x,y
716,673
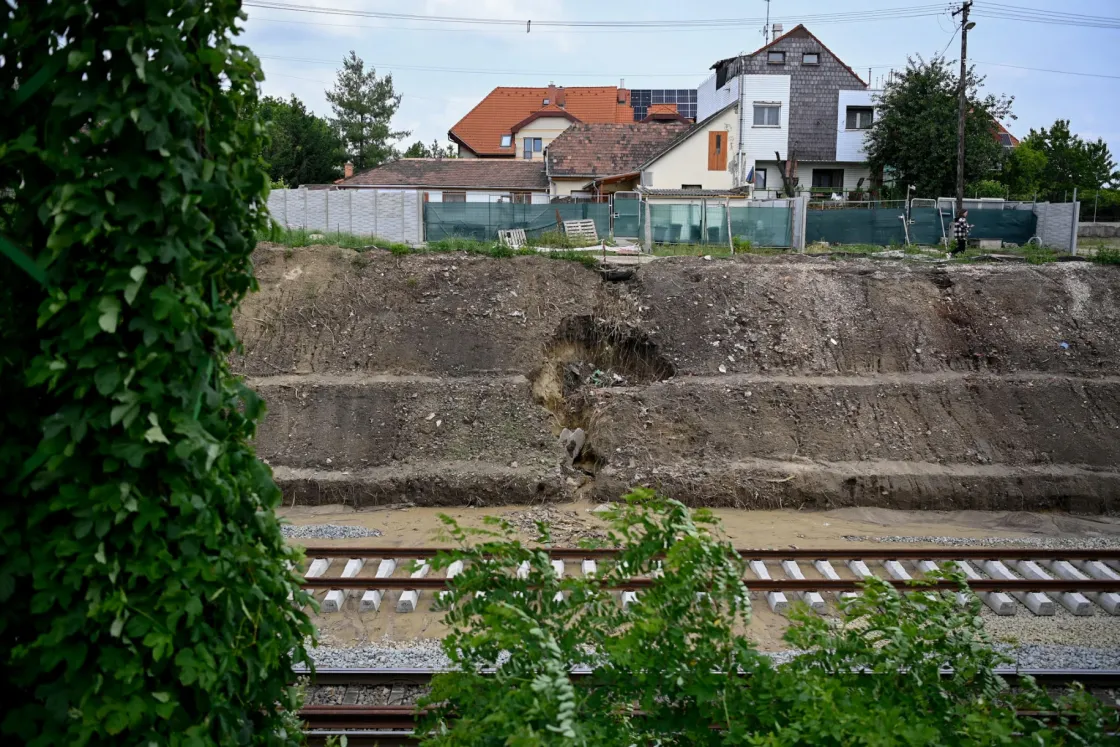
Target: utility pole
x,y
766,28
965,25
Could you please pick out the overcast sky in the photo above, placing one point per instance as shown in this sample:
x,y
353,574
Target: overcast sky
x,y
443,70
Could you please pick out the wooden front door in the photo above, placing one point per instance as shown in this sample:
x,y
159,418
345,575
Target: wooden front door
x,y
717,150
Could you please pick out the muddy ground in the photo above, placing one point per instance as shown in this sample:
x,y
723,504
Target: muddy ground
x,y
787,383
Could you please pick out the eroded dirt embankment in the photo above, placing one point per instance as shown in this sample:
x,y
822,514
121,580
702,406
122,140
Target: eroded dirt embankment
x,y
447,379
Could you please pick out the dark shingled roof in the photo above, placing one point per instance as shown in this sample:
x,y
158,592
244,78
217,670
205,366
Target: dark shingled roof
x,y
606,149
467,173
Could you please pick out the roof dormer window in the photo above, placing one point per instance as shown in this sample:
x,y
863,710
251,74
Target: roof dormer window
x,y
507,140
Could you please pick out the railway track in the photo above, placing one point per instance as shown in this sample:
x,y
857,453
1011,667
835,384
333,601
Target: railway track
x,y
393,722
1007,580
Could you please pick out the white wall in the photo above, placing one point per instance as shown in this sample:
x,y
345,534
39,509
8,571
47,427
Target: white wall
x,y
390,214
850,143
687,163
481,195
564,187
546,128
710,100
466,153
760,143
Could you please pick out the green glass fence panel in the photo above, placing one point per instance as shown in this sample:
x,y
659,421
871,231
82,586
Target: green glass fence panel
x,y
1012,226
482,220
883,226
627,218
706,224
762,225
858,226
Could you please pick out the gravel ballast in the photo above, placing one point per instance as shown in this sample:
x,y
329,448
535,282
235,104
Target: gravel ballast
x,y
1041,543
326,531
427,654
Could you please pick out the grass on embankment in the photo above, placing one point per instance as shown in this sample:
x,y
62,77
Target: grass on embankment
x,y
297,238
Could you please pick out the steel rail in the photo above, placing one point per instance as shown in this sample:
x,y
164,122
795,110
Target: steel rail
x,y
756,584
831,553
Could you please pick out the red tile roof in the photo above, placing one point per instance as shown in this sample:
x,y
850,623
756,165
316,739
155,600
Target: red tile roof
x,y
503,108
467,173
608,149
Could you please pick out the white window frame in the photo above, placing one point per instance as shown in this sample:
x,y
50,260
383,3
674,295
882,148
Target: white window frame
x,y
766,105
859,110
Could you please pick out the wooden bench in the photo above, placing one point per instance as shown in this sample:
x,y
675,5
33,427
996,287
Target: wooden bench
x,y
583,229
514,238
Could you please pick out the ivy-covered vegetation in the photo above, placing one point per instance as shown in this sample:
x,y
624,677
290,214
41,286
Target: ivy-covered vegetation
x,y
145,596
660,667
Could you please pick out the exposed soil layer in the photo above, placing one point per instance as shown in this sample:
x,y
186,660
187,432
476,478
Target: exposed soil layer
x,y
330,310
446,380
858,317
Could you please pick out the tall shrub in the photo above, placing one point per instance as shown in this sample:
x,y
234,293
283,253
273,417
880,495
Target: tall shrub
x,y
144,591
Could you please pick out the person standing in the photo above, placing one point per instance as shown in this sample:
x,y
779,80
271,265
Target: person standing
x,y
961,229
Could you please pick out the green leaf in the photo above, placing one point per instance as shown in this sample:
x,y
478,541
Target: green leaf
x,y
161,697
106,379
155,433
116,628
22,261
137,273
110,309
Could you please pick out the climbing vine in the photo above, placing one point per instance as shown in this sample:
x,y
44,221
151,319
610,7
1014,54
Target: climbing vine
x,y
145,595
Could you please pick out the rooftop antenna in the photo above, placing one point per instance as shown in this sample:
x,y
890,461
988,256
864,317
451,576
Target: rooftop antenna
x,y
766,28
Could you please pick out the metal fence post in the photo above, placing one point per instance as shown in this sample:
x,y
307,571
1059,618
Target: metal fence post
x,y
1075,220
648,233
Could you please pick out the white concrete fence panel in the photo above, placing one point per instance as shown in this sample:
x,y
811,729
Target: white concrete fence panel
x,y
390,214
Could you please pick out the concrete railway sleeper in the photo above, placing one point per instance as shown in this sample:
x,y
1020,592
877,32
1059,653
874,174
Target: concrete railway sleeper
x,y
1005,579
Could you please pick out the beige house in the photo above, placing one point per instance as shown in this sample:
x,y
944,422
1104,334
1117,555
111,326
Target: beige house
x,y
590,161
703,157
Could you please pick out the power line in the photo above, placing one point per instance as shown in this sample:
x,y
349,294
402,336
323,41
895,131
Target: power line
x,y
1053,18
951,38
672,24
1045,70
603,74
470,71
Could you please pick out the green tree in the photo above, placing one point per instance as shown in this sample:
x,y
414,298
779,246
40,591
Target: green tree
x,y
145,596
873,677
986,188
1024,171
915,128
435,150
364,106
304,148
1070,161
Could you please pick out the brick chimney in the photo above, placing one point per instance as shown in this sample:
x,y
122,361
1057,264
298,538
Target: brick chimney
x,y
561,97
550,96
348,170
